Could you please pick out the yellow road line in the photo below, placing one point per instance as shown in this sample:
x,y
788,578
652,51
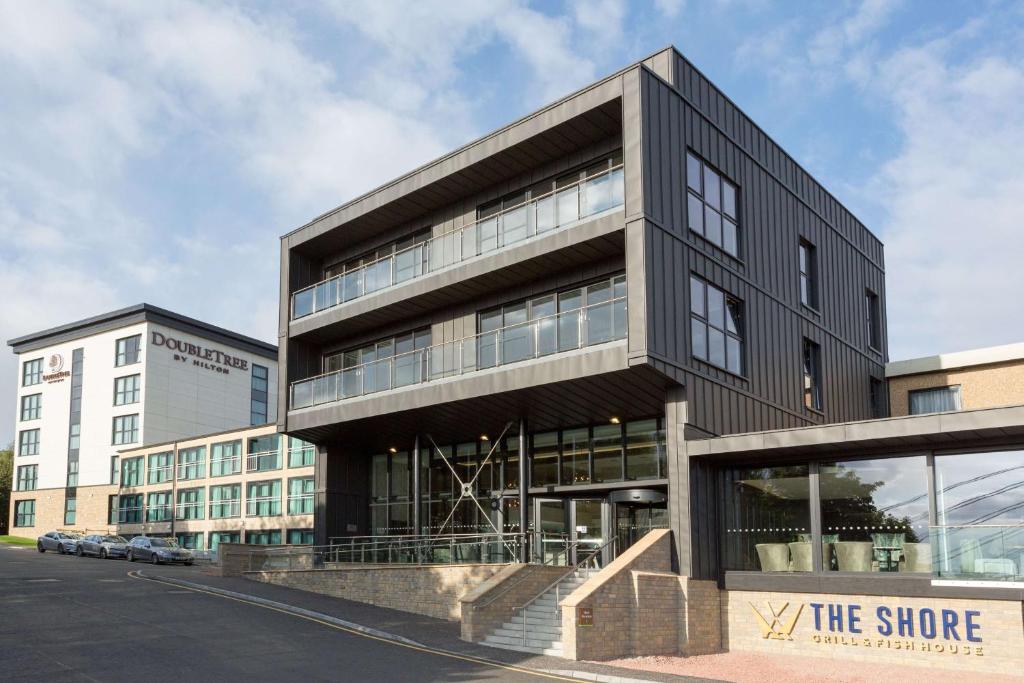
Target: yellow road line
x,y
417,648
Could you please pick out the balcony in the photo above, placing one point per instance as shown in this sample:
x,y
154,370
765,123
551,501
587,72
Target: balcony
x,y
263,461
566,331
583,200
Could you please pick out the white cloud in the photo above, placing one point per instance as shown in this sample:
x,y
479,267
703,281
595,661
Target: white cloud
x,y
670,9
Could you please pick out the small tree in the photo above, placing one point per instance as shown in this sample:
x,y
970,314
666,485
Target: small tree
x,y
6,478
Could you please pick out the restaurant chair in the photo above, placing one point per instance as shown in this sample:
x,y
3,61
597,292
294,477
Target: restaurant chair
x,y
774,557
888,548
918,557
854,556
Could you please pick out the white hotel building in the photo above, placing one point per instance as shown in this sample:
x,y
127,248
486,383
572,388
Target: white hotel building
x,y
142,375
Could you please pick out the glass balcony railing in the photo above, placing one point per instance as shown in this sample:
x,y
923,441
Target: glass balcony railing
x,y
539,215
978,552
565,331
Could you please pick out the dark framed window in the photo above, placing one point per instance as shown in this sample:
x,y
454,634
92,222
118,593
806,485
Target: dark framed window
x,y
160,467
300,496
300,537
191,540
808,274
873,311
127,390
28,442
265,537
263,498
712,205
716,326
192,463
32,372
31,407
935,400
225,501
300,453
159,507
129,509
25,513
812,375
131,471
877,397
72,478
126,429
218,537
226,458
190,504
126,350
28,476
115,469
258,402
70,511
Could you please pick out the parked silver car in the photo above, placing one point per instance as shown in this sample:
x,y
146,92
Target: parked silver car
x,y
61,541
102,545
158,550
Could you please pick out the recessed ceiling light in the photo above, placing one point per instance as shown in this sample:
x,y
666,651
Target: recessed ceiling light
x,y
392,450
483,437
614,420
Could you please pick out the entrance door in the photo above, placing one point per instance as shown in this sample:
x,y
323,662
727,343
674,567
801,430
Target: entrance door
x,y
589,528
552,530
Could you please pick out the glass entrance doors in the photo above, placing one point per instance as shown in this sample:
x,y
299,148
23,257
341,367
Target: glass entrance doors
x,y
569,529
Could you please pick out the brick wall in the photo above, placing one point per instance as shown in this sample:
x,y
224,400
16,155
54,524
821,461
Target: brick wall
x,y
432,590
90,515
987,386
494,601
999,627
640,607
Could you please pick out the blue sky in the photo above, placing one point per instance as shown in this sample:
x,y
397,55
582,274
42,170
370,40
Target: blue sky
x,y
156,151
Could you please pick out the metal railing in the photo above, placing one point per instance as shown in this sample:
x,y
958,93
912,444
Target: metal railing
x,y
159,513
233,505
566,331
263,461
192,470
300,501
978,552
592,555
538,215
300,454
263,506
186,511
231,464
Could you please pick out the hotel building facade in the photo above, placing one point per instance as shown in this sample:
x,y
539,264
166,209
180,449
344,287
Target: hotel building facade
x,y
136,376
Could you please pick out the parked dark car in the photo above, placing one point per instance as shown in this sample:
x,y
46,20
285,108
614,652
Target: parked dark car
x,y
61,541
157,550
103,546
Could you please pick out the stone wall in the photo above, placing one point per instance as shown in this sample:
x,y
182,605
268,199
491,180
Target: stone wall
x,y
90,515
849,627
638,606
987,386
494,601
434,591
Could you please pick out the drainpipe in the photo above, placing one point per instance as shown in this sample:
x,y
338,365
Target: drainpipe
x,y
524,472
174,489
416,486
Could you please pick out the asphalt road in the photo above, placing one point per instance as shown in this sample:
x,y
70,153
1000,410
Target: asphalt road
x,y
64,618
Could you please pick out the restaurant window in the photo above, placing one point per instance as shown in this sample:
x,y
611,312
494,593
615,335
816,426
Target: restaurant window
x,y
935,400
874,516
980,510
812,375
127,350
32,372
711,205
766,512
716,326
31,407
808,274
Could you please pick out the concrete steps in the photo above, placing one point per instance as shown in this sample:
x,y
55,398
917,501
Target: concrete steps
x,y
543,621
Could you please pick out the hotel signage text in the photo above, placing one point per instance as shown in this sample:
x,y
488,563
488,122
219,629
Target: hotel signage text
x,y
209,359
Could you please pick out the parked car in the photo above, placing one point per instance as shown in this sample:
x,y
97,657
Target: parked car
x,y
158,550
61,541
102,545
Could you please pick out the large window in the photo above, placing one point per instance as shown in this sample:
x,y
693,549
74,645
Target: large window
x,y
980,509
130,508
300,537
264,454
300,453
812,375
126,390
70,511
808,274
936,400
712,205
192,463
767,509
390,362
159,507
598,454
226,458
190,504
126,429
544,459
873,310
28,476
258,399
218,537
390,482
25,513
192,540
131,471
263,498
300,496
160,468
32,372
263,537
127,350
874,515
716,326
31,407
28,442
225,501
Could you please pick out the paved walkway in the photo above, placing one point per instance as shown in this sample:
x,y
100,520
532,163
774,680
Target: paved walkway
x,y
432,633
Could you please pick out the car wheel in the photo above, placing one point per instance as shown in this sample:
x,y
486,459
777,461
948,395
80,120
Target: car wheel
x,y
154,558
78,551
40,548
103,553
60,548
188,563
131,558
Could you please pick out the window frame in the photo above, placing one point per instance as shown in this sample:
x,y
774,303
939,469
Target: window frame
x,y
958,393
811,370
125,354
703,318
32,372
23,518
134,431
873,313
33,444
700,194
22,481
807,266
34,410
121,391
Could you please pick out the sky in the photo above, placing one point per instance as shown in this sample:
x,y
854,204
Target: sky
x,y
156,151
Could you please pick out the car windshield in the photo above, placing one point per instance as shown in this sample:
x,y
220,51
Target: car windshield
x,y
113,539
164,543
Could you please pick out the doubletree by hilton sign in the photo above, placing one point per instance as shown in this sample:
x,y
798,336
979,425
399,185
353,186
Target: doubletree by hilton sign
x,y
202,357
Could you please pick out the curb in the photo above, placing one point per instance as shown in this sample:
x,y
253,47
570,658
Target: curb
x,y
286,608
384,635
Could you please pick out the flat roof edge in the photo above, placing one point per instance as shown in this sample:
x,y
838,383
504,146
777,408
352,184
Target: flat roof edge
x,y
958,359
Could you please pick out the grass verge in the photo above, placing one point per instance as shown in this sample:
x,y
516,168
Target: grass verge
x,y
17,540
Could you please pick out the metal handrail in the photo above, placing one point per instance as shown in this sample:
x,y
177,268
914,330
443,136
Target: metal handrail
x,y
421,364
572,570
454,234
510,585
